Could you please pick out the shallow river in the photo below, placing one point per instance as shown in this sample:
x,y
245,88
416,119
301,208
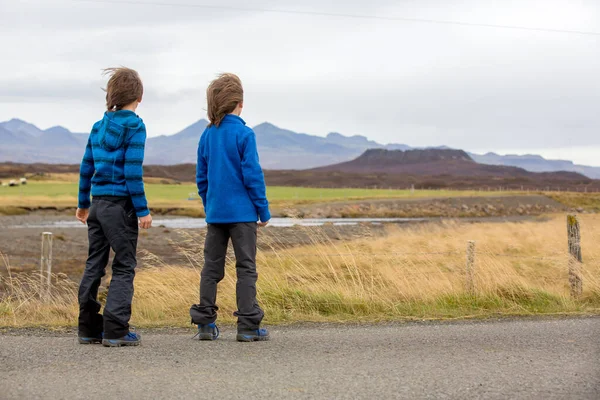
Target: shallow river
x,y
194,223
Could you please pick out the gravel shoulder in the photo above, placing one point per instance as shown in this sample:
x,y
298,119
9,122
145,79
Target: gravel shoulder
x,y
518,359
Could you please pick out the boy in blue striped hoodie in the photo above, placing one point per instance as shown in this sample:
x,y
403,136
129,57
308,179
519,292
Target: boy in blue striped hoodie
x,y
232,187
111,171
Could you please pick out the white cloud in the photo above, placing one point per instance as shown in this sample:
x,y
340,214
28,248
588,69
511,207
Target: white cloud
x,y
415,83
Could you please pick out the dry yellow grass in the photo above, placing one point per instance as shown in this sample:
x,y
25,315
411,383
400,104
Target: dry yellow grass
x,y
587,201
521,269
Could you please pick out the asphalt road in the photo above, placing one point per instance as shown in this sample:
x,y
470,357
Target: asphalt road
x,y
517,359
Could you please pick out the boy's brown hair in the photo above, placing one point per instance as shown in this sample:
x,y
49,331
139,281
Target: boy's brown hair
x,y
123,88
223,96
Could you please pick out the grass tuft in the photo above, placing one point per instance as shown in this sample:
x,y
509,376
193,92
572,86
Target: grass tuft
x,y
415,273
12,210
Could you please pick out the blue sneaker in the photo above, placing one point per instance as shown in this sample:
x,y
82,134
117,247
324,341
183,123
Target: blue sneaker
x,y
91,340
208,332
131,339
258,335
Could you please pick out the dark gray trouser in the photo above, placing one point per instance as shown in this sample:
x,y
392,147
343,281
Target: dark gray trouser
x,y
243,237
112,223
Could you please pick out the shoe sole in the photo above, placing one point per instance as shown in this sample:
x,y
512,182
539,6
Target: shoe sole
x,y
119,343
207,336
251,338
89,341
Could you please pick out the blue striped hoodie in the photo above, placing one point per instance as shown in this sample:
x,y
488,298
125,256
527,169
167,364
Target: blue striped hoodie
x,y
112,163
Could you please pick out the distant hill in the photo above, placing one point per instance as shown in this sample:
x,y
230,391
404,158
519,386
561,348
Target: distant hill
x,y
437,162
175,149
536,163
530,181
23,142
279,148
283,149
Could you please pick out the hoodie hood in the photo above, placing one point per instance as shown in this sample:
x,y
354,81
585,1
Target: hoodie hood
x,y
116,127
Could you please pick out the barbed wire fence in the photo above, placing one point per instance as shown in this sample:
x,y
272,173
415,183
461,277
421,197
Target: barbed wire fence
x,y
572,259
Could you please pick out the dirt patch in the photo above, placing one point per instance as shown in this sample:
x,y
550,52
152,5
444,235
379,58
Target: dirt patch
x,y
459,207
451,207
192,212
21,246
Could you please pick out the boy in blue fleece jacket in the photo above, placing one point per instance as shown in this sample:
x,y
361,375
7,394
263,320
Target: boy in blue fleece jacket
x,y
232,187
111,171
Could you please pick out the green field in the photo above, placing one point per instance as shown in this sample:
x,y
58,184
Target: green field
x,y
64,194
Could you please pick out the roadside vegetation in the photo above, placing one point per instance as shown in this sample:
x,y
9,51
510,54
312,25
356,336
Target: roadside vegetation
x,y
411,273
584,201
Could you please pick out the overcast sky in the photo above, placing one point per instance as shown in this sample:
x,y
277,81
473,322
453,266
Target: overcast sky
x,y
475,88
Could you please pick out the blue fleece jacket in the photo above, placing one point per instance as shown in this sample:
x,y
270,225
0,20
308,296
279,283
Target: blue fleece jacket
x,y
229,177
112,163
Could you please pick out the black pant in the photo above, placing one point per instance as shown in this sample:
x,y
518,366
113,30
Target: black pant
x,y
112,223
243,237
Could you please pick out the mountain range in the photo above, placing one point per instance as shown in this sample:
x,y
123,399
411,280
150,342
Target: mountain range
x,y
440,162
279,148
536,163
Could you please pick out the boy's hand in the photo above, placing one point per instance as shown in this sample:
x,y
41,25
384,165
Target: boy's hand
x,y
263,224
146,222
82,215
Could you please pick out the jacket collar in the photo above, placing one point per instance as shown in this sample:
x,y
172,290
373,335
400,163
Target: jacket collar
x,y
234,119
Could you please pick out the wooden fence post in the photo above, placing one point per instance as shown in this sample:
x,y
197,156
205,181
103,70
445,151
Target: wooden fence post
x,y
46,265
471,267
575,258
